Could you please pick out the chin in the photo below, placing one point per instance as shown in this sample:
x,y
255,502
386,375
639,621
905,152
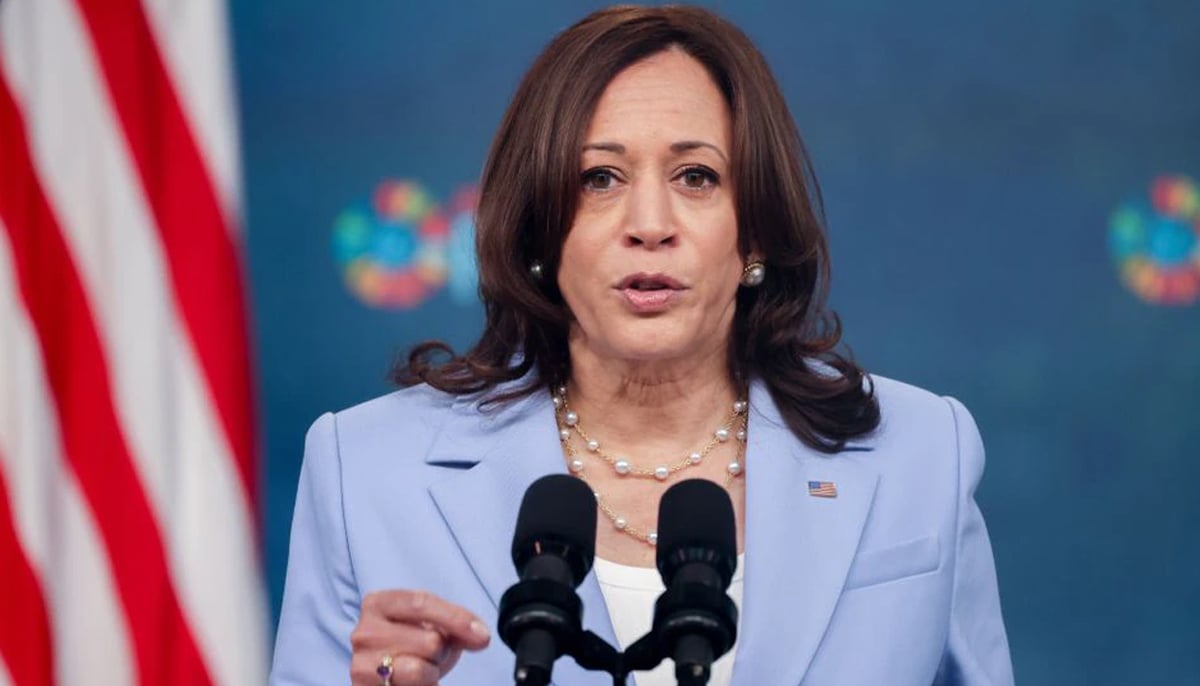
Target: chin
x,y
641,345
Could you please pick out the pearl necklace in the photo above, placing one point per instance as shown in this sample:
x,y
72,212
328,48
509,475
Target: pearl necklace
x,y
569,424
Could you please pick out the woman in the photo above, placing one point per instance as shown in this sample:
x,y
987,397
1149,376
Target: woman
x,y
653,270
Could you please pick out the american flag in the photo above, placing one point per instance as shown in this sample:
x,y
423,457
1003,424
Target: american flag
x,y
822,489
129,551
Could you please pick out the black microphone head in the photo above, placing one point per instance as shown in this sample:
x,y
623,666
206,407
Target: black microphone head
x,y
696,524
558,515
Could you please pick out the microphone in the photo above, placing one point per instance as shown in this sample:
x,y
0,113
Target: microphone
x,y
553,547
695,622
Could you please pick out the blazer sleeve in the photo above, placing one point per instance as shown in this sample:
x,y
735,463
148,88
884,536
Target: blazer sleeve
x,y
320,598
977,647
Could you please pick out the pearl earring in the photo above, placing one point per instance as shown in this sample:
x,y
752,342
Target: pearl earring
x,y
536,270
753,274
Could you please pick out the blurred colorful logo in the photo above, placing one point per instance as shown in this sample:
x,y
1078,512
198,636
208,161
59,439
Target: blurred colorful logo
x,y
1156,242
400,247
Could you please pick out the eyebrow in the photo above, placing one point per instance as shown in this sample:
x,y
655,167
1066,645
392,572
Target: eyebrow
x,y
676,147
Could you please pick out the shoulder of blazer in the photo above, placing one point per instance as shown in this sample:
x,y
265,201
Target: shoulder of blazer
x,y
431,425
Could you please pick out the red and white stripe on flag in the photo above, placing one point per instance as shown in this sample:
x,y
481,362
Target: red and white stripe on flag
x,y
128,544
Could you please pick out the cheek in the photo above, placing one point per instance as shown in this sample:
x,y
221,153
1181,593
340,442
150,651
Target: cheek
x,y
726,267
585,234
576,262
724,287
723,256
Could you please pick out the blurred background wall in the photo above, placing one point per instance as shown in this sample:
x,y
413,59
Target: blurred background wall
x,y
1011,220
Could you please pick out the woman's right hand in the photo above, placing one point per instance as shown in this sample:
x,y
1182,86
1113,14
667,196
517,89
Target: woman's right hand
x,y
422,633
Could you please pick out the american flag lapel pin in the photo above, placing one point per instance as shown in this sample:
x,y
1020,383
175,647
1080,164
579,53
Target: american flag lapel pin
x,y
822,489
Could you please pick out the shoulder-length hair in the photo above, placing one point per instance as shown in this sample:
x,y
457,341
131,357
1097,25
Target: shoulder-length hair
x,y
782,331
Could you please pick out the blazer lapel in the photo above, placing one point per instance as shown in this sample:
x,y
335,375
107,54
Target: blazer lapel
x,y
798,547
513,447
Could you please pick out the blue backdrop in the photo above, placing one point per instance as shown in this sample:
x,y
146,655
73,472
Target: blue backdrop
x,y
1010,221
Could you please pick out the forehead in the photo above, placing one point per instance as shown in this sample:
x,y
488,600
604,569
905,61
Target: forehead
x,y
667,96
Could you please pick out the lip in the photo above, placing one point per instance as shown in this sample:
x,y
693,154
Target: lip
x,y
650,301
665,279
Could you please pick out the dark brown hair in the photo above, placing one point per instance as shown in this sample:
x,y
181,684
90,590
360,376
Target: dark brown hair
x,y
782,332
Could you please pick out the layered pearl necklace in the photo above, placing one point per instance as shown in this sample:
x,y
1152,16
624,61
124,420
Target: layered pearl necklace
x,y
569,427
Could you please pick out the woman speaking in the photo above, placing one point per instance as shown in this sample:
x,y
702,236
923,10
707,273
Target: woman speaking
x,y
654,268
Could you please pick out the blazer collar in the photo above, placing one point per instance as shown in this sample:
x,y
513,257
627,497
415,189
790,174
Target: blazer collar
x,y
798,547
511,448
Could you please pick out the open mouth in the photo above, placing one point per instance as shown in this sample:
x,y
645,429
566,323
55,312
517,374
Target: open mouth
x,y
649,282
648,286
650,293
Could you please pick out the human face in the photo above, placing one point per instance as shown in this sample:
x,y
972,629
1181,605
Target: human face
x,y
650,267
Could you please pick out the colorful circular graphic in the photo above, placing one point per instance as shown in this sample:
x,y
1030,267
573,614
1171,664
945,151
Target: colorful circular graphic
x,y
1156,242
392,250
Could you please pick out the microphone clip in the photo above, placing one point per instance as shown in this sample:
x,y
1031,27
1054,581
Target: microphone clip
x,y
541,618
693,624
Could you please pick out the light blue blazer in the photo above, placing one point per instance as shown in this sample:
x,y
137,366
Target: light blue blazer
x,y
891,583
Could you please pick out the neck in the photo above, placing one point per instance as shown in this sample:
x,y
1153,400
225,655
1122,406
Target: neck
x,y
657,401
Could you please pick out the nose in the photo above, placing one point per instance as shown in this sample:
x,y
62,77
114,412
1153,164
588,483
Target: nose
x,y
649,221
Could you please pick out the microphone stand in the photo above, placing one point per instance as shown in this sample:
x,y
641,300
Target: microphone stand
x,y
595,655
642,655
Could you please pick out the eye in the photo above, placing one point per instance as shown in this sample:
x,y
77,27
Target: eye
x,y
699,178
599,179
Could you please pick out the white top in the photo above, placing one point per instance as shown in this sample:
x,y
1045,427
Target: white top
x,y
630,592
